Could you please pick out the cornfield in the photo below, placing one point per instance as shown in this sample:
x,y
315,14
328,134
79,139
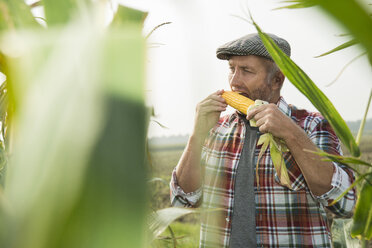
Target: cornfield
x,y
73,166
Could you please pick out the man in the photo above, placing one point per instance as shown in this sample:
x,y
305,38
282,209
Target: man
x,y
218,166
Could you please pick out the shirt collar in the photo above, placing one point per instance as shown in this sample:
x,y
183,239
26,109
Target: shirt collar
x,y
284,107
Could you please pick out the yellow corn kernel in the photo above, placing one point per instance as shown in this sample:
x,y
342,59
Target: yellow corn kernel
x,y
237,101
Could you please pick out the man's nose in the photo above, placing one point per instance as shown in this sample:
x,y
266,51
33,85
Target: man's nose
x,y
234,79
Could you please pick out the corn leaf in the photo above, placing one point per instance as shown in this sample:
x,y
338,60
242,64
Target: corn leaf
x,y
344,68
298,4
307,87
160,220
342,159
61,12
362,219
358,180
358,21
76,155
361,128
16,14
340,47
125,15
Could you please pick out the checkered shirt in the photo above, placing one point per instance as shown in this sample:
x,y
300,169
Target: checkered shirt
x,y
284,217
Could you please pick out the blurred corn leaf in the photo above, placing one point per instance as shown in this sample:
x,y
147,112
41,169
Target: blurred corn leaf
x,y
60,12
160,220
16,14
125,15
298,4
307,87
362,219
77,177
340,47
354,17
158,179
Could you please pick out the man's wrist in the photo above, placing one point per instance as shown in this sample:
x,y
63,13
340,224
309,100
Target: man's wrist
x,y
294,134
196,140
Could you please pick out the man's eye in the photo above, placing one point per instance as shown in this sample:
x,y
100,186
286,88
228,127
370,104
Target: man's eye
x,y
246,70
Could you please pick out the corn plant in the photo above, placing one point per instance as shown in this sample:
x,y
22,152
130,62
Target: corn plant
x,y
76,175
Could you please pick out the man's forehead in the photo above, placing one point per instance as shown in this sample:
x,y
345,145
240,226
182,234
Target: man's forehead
x,y
247,60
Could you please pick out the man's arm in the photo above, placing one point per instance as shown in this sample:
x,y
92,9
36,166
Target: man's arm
x,y
188,170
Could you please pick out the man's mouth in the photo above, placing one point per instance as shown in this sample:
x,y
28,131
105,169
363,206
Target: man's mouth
x,y
244,94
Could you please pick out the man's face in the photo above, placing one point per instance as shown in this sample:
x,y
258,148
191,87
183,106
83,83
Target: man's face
x,y
249,75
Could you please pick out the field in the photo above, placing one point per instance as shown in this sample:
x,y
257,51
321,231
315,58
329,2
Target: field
x,y
186,229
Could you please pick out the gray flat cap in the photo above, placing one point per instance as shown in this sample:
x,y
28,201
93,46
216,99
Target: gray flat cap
x,y
251,44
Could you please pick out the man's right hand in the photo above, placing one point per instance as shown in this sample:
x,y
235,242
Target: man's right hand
x,y
208,113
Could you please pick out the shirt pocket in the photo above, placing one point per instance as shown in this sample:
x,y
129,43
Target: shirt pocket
x,y
296,178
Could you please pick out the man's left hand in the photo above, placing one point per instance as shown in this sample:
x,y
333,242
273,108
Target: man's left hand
x,y
269,119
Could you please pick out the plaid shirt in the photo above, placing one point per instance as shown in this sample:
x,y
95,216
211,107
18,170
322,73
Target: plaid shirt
x,y
284,217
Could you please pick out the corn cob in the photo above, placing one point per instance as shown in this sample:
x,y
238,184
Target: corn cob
x,y
237,101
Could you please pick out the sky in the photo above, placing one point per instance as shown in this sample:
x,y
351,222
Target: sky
x,y
183,69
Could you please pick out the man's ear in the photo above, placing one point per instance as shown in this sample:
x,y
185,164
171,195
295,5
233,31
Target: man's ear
x,y
278,80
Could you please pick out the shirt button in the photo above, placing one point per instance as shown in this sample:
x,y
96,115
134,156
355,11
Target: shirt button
x,y
227,219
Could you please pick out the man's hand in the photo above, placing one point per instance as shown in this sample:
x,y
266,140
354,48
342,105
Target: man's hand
x,y
208,113
318,174
269,119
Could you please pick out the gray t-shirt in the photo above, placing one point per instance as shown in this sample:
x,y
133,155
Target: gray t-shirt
x,y
243,226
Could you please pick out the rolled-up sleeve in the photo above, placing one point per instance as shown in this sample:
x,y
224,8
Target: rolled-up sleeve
x,y
341,181
325,138
181,199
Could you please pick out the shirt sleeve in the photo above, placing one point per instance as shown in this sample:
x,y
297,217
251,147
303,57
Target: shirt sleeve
x,y
324,137
181,199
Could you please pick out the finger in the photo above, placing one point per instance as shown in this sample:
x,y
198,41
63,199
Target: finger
x,y
211,102
260,122
217,98
252,113
220,92
214,108
263,128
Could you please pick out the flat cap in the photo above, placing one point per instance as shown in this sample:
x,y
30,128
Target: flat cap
x,y
251,44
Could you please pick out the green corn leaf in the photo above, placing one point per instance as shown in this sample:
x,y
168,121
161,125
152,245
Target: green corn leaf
x,y
83,156
344,68
16,14
307,87
298,4
362,219
340,47
125,15
341,159
349,188
354,17
361,128
61,12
